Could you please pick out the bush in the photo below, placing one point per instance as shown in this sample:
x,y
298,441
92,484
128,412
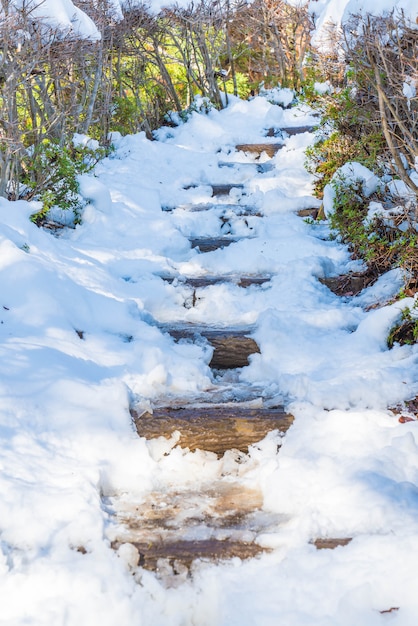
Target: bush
x,y
377,241
51,172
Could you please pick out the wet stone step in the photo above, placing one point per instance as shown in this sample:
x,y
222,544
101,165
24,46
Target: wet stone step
x,y
231,347
258,148
214,428
197,282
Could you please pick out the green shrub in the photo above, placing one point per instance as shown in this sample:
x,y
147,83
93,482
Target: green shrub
x,y
51,176
376,241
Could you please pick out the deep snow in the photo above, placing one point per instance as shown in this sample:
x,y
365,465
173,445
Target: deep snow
x,y
347,467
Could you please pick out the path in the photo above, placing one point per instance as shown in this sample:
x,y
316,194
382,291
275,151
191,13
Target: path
x,y
223,519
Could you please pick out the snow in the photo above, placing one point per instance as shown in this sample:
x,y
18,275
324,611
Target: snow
x,y
337,12
67,17
62,15
349,173
80,318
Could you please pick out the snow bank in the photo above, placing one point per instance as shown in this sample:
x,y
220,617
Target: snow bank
x,y
326,12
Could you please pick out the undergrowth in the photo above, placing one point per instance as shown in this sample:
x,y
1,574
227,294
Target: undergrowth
x,y
406,330
51,176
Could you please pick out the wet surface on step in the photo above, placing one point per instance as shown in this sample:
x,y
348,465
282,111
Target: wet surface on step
x,y
213,522
214,428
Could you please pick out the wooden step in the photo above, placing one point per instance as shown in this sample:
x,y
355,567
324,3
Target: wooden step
x,y
177,557
214,522
197,282
348,284
231,347
311,212
238,209
290,131
209,244
224,190
330,543
215,428
258,148
261,168
219,189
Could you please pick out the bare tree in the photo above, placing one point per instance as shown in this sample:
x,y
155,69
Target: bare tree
x,y
383,52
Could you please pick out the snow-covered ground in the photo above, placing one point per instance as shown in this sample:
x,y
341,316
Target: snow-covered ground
x,y
80,341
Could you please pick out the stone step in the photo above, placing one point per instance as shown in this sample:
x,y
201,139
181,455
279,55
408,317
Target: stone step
x,y
258,148
214,428
232,347
209,244
198,282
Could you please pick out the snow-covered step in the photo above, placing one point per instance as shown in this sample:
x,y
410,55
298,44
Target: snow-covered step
x,y
289,131
232,347
209,244
167,532
214,428
198,282
260,168
219,189
258,148
238,209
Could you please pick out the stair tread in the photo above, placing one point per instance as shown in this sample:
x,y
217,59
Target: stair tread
x,y
213,428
